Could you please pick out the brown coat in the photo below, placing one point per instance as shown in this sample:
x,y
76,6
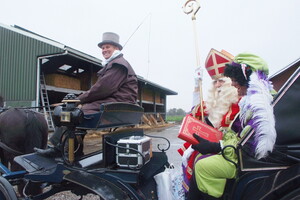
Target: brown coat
x,y
117,82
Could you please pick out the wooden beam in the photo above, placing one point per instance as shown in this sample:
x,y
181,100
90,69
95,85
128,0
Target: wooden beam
x,y
146,120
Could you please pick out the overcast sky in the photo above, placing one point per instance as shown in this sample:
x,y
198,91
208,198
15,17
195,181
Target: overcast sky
x,y
162,47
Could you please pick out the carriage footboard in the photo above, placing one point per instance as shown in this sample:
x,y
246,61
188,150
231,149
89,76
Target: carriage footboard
x,y
35,162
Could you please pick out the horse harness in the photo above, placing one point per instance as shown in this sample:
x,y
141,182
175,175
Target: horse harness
x,y
10,150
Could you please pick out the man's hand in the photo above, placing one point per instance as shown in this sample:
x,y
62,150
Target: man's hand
x,y
78,105
198,76
204,146
199,73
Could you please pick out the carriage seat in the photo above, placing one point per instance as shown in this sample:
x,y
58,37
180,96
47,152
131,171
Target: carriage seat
x,y
113,114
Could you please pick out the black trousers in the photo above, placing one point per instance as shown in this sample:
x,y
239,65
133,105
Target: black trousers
x,y
57,136
194,192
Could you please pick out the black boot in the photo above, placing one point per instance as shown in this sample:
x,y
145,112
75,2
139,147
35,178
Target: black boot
x,y
53,151
50,152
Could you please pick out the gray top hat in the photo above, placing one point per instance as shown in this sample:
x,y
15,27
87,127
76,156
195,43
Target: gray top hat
x,y
110,38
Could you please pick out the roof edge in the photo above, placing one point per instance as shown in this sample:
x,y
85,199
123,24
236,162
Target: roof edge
x,y
285,68
145,81
33,35
83,55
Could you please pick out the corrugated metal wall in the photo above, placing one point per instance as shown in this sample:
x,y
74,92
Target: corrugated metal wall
x,y
18,65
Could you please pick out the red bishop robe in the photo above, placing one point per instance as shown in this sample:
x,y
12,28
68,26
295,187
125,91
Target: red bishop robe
x,y
226,121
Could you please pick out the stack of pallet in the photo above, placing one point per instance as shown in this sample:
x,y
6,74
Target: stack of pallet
x,y
153,121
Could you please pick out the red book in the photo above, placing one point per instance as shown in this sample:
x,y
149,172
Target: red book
x,y
192,125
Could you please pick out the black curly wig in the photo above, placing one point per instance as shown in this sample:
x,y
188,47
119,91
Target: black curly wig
x,y
234,70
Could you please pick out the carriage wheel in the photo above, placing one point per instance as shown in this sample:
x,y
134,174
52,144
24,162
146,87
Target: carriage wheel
x,y
101,185
6,190
295,194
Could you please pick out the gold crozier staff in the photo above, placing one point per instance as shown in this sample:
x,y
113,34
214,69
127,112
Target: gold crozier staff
x,y
192,7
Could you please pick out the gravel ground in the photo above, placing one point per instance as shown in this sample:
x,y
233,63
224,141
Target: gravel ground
x,y
70,196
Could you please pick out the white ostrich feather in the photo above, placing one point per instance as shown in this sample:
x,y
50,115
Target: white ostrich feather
x,y
257,106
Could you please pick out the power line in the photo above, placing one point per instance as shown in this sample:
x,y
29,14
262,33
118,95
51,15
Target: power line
x,y
136,29
149,47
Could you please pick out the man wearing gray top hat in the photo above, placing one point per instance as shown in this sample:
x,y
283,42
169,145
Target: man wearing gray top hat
x,y
117,82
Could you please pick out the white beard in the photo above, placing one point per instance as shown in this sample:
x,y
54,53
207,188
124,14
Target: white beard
x,y
219,102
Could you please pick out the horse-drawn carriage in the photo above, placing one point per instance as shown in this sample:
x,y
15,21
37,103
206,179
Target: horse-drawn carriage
x,y
109,175
122,169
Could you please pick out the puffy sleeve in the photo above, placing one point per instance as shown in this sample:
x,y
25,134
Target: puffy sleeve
x,y
230,138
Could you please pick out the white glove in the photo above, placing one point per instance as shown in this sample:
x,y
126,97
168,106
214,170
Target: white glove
x,y
198,76
186,155
199,73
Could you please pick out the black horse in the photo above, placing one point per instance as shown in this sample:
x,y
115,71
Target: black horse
x,y
20,131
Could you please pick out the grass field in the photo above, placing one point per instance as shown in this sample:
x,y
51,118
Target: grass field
x,y
175,118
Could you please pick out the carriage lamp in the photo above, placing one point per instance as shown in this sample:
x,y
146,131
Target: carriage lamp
x,y
68,114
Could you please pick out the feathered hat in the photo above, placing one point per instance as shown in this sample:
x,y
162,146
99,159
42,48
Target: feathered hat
x,y
255,62
258,102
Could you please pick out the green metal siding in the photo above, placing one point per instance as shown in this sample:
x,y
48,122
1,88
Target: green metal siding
x,y
18,65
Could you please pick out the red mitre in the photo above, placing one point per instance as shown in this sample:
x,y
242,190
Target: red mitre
x,y
215,62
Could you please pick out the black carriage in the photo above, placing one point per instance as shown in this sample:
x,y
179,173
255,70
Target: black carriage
x,y
121,170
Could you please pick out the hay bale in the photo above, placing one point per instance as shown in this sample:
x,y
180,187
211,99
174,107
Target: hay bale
x,y
62,81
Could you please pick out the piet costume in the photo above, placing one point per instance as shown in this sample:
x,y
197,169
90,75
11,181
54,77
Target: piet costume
x,y
220,108
255,112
